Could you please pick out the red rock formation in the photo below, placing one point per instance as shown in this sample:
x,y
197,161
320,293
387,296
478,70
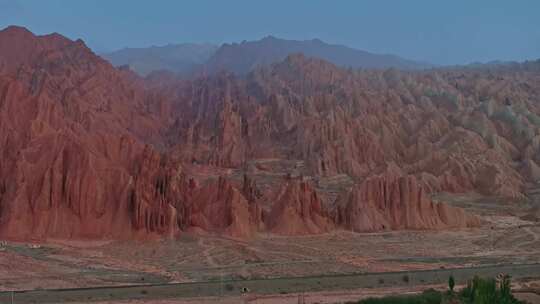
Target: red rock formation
x,y
389,203
71,132
161,195
298,210
310,110
219,207
250,190
88,150
531,170
253,196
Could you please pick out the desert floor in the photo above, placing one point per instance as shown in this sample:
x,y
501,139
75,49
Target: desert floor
x,y
330,266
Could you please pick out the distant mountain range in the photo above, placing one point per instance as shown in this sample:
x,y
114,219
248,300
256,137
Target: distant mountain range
x,y
178,58
241,58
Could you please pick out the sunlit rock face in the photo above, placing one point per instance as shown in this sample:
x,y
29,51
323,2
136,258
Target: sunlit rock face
x,y
299,211
392,203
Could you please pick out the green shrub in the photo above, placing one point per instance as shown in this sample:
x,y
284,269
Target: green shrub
x,y
508,116
485,291
427,297
534,119
451,283
477,291
405,278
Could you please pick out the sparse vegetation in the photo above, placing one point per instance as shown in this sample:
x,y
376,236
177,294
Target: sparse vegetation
x,y
477,291
405,278
534,119
427,297
485,291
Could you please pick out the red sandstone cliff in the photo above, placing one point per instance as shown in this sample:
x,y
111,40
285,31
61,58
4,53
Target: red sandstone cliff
x,y
70,129
90,151
467,131
219,207
298,210
390,203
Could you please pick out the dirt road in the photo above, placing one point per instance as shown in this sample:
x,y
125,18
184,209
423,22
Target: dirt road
x,y
267,286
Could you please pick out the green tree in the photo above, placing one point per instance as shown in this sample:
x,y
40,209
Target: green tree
x,y
451,283
506,292
485,291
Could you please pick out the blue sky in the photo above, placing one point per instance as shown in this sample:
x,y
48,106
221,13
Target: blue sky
x,y
441,32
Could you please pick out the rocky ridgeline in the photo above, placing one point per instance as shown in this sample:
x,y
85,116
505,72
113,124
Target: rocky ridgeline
x,y
90,151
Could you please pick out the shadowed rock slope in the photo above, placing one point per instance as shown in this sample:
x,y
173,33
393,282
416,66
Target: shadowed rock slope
x,y
455,130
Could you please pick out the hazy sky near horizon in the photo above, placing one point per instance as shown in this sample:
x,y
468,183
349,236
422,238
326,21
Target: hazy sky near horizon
x,y
440,32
